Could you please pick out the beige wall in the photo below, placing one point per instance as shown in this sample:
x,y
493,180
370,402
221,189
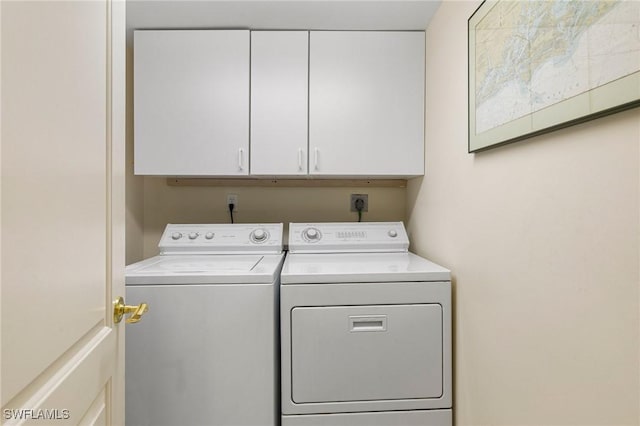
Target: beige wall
x,y
134,184
542,237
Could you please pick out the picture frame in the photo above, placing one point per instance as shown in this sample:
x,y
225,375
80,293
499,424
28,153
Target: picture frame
x,y
537,66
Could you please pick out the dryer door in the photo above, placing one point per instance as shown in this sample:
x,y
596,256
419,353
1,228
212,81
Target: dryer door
x,y
366,353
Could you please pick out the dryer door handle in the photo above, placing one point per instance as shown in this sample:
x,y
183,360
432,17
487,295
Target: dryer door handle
x,y
367,323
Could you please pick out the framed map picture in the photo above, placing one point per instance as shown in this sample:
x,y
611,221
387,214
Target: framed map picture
x,y
536,66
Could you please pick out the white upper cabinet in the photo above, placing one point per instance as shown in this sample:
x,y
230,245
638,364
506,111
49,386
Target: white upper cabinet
x,y
191,102
366,103
279,103
279,100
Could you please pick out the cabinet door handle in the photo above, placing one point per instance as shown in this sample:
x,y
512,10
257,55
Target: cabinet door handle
x,y
299,158
315,158
240,159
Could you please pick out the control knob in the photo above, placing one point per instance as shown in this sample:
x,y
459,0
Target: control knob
x,y
208,235
311,234
393,233
193,235
259,235
176,236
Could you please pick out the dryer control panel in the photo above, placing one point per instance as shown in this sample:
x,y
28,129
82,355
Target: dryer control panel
x,y
348,237
265,238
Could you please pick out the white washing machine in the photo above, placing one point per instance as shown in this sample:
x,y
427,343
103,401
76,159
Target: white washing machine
x,y
206,352
365,329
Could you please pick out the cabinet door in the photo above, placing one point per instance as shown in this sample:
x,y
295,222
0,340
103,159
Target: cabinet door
x,y
279,100
366,103
191,96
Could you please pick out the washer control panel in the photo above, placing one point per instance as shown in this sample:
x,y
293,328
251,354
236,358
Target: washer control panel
x,y
348,237
263,238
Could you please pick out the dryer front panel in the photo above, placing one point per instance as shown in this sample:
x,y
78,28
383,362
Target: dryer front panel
x,y
365,347
366,353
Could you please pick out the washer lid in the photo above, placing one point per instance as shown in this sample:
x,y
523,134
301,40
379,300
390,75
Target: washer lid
x,y
303,268
204,269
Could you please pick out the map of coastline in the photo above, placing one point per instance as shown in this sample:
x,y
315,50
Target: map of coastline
x,y
533,54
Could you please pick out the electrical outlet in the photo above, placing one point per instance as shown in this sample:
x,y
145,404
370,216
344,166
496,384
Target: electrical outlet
x,y
364,198
232,199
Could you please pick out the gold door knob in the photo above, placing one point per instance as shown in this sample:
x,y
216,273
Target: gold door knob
x,y
120,309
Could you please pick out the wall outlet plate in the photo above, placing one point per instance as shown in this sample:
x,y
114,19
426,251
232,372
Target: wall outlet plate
x,y
363,197
232,199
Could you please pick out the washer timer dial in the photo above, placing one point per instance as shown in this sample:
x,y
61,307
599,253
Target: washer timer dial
x,y
259,235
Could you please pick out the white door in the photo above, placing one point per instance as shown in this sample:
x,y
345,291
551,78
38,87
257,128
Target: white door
x,y
279,89
191,95
366,103
62,210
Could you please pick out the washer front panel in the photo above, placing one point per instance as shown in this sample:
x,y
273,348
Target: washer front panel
x,y
203,354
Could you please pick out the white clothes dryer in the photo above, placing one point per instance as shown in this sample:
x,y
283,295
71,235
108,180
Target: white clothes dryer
x,y
365,329
206,352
